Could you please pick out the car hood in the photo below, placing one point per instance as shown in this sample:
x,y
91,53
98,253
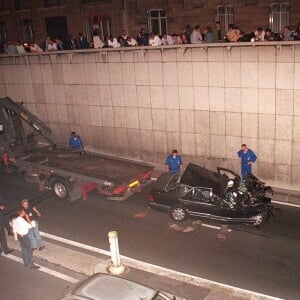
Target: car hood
x,y
197,176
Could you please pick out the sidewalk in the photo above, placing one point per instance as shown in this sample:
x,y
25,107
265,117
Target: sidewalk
x,y
182,286
286,196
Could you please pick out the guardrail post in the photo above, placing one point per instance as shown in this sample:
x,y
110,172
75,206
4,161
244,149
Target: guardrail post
x,y
116,267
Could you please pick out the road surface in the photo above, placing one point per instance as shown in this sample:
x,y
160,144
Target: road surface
x,y
266,260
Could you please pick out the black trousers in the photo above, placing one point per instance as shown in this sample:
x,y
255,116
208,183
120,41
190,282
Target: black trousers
x,y
3,242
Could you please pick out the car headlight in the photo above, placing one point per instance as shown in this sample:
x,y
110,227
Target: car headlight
x,y
230,183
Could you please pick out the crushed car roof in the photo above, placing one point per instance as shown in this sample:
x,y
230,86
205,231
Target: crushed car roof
x,y
197,176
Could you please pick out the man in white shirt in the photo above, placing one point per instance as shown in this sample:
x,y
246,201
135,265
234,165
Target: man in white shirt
x,y
34,47
259,34
21,229
154,40
131,41
97,41
167,39
113,42
51,46
196,36
20,48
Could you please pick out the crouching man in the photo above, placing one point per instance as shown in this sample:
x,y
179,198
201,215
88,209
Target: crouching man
x,y
76,143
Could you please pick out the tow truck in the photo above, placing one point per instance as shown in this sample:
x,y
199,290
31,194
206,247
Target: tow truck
x,y
28,148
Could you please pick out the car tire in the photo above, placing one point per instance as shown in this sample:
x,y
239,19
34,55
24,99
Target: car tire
x,y
60,189
178,213
258,219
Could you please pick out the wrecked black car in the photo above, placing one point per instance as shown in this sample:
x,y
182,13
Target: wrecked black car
x,y
222,196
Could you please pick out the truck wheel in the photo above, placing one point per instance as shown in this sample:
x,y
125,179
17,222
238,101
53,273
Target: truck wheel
x,y
178,213
60,189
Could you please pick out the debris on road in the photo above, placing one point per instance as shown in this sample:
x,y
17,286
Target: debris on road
x,y
141,214
175,227
222,234
195,225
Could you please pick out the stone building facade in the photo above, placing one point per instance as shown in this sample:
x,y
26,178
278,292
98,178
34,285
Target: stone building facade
x,y
34,19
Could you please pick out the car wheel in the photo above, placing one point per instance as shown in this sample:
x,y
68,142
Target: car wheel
x,y
258,219
178,213
60,189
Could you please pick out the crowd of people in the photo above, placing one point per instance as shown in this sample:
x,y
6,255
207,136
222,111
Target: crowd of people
x,y
188,36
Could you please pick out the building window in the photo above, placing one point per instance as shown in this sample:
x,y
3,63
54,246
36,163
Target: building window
x,y
279,16
157,21
98,23
3,35
49,3
22,4
57,27
90,1
225,15
27,31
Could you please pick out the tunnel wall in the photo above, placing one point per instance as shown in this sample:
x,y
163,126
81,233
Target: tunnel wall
x,y
141,103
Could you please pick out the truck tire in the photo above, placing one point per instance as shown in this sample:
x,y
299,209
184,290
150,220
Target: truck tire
x,y
60,189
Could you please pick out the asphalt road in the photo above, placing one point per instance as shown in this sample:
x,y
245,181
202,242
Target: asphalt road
x,y
18,282
265,260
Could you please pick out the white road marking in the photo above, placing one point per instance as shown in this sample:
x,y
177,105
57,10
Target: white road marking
x,y
285,203
213,227
45,270
172,274
76,244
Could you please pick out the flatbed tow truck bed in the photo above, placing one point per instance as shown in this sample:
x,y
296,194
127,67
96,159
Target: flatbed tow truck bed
x,y
110,175
69,174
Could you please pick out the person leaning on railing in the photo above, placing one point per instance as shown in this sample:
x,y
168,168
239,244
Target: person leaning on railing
x,y
297,33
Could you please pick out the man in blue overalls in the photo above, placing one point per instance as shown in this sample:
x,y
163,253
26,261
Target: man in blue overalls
x,y
247,157
75,142
174,163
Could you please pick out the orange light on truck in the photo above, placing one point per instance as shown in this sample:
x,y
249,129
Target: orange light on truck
x,y
133,184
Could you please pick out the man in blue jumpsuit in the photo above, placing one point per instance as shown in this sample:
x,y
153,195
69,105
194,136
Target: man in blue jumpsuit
x,y
75,142
174,163
247,157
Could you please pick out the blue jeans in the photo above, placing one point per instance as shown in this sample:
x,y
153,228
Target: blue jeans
x,y
246,169
26,249
35,238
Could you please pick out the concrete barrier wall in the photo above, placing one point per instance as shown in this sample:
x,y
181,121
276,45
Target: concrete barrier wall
x,y
141,103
